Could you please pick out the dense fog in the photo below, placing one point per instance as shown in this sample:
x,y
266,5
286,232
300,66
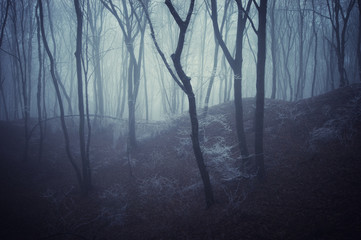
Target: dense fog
x,y
300,36
123,118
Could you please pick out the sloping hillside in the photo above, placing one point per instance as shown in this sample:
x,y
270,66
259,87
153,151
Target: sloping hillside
x,y
312,190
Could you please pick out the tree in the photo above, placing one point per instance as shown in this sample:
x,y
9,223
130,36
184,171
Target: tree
x,y
316,47
273,49
236,65
95,12
82,180
261,59
301,80
359,39
22,17
215,61
86,181
336,13
131,23
39,86
184,82
4,17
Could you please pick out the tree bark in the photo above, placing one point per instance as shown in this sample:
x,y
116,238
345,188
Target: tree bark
x,y
185,84
273,50
359,40
261,59
86,180
58,95
39,90
236,65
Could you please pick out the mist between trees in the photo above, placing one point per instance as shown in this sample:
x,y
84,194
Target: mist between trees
x,y
145,61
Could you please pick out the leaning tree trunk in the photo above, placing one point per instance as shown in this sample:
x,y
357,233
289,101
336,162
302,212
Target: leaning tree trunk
x,y
58,95
183,25
185,84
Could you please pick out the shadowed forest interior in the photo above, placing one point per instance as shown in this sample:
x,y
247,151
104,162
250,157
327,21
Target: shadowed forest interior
x,y
149,119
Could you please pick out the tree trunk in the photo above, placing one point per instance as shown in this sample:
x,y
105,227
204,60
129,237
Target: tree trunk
x,y
273,50
301,75
86,180
261,59
359,40
316,47
236,65
38,94
58,95
196,148
211,80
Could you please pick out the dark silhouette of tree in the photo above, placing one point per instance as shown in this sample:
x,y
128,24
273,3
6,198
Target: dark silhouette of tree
x,y
359,39
22,19
215,60
83,176
273,48
300,85
4,17
236,65
184,82
337,13
95,16
39,86
261,61
86,178
314,30
58,94
131,23
62,87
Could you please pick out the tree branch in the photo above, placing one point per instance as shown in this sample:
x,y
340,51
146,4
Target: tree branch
x,y
160,52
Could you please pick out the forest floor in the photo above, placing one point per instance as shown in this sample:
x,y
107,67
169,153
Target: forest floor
x,y
312,189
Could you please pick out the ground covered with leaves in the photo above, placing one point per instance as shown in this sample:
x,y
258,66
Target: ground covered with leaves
x,y
312,189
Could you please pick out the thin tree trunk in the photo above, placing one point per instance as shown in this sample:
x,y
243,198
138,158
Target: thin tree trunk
x,y
236,65
38,94
58,95
273,50
86,181
301,75
185,84
316,48
359,40
145,91
62,87
259,118
3,97
211,80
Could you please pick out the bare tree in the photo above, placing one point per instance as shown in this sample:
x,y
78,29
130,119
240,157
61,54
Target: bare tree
x,y
273,49
86,180
39,86
261,59
58,95
316,48
236,65
95,16
4,17
359,39
300,85
215,60
184,82
131,23
336,13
